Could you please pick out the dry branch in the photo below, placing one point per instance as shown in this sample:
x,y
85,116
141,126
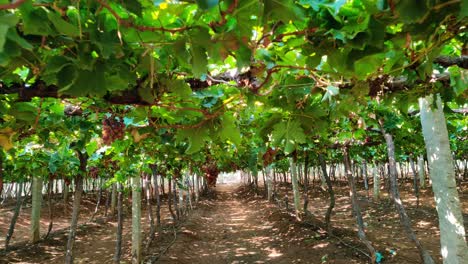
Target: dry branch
x,y
378,86
447,61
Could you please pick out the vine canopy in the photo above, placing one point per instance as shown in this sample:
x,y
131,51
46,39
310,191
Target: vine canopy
x,y
138,51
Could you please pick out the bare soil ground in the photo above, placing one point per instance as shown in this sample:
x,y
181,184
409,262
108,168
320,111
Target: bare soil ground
x,y
382,220
236,226
95,241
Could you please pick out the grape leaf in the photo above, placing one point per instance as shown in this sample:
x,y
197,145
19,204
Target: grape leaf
x,y
196,138
6,136
13,36
368,64
63,26
291,132
199,61
180,88
207,4
24,111
229,129
3,33
331,91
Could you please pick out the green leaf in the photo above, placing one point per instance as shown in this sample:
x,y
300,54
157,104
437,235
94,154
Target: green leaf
x,y
116,83
12,52
411,11
207,4
35,22
196,138
331,91
87,83
66,77
63,26
367,65
229,129
146,93
292,134
285,10
199,61
180,52
9,19
133,6
243,56
13,36
6,21
56,64
313,60
24,111
458,81
180,88
337,5
278,133
91,147
463,9
3,33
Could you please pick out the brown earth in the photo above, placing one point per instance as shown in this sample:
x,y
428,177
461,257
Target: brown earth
x,y
381,218
236,226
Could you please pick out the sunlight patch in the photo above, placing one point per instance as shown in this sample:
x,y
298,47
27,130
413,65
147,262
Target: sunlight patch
x,y
460,230
321,245
444,251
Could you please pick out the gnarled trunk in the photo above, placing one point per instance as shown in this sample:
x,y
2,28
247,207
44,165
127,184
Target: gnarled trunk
x,y
83,157
170,199
355,205
19,202
404,218
331,193
156,193
113,200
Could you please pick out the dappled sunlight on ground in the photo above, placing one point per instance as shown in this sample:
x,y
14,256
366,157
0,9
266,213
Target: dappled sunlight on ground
x,y
236,229
238,226
382,220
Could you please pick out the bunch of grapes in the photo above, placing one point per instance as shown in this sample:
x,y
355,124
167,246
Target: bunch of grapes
x,y
67,181
93,172
112,129
111,164
211,173
269,156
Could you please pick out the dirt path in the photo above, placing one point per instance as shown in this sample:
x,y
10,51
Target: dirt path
x,y
230,229
236,226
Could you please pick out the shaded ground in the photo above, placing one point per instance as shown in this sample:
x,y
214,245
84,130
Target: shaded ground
x,y
236,229
95,241
382,220
237,226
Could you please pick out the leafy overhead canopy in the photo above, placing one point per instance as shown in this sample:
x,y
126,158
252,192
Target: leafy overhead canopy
x,y
184,74
92,48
